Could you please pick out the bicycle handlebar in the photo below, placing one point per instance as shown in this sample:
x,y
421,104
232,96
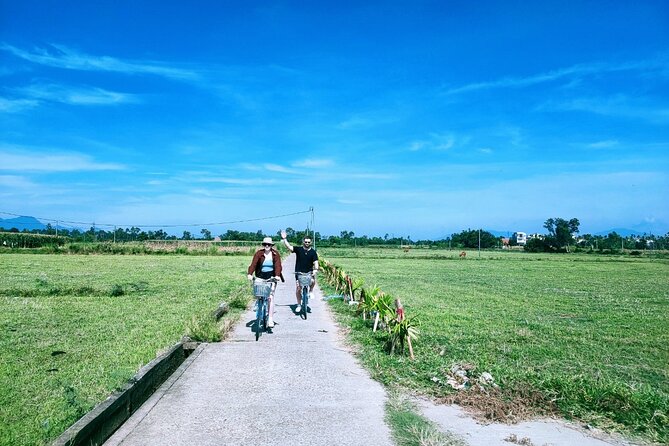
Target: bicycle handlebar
x,y
271,279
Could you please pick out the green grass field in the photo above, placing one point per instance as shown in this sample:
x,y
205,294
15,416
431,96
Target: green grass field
x,y
74,328
584,334
588,334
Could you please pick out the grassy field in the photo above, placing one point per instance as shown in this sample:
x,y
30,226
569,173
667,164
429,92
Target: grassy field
x,y
74,328
585,336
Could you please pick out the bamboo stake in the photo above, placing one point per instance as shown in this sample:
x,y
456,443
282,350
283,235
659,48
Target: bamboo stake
x,y
410,347
376,319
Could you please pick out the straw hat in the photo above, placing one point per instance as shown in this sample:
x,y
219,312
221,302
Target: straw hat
x,y
267,240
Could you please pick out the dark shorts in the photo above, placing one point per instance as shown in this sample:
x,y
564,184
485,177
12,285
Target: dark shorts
x,y
267,275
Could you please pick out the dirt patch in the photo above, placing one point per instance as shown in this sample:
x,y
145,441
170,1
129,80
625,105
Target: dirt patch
x,y
505,406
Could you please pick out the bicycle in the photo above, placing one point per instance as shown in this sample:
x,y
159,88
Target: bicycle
x,y
305,282
262,288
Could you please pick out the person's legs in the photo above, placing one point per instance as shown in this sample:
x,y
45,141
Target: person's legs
x,y
312,286
270,307
298,295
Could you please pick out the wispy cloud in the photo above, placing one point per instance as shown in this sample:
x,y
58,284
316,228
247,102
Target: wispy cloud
x,y
16,105
367,119
347,201
60,56
16,182
281,169
617,106
602,144
11,160
437,141
573,73
75,95
237,181
314,163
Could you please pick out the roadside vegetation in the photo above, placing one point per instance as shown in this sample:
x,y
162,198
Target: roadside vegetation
x,y
75,328
409,428
576,335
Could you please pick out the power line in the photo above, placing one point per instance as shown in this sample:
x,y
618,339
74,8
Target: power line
x,y
59,221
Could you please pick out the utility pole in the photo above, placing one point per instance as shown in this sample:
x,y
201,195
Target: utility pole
x,y
313,230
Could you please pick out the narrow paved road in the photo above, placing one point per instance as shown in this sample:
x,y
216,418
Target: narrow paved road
x,y
296,386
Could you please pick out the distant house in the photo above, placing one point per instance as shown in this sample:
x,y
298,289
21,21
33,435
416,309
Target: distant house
x,y
520,238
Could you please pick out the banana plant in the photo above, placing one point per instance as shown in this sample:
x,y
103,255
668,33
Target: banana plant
x,y
402,332
368,298
341,283
356,285
383,308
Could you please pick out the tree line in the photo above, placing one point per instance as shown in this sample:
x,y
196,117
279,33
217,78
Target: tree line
x,y
562,235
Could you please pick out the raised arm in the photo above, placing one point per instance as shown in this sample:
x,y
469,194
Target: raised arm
x,y
285,241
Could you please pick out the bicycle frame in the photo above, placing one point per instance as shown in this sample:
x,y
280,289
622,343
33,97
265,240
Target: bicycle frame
x,y
262,290
305,282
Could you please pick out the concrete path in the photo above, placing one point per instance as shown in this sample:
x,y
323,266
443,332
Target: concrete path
x,y
296,386
541,432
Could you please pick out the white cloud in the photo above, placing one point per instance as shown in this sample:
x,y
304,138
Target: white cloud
x,y
367,119
75,95
619,106
346,201
280,169
314,163
16,182
16,105
236,181
437,141
353,122
573,72
49,162
603,144
60,56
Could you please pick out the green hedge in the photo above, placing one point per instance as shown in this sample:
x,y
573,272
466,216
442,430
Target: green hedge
x,y
27,240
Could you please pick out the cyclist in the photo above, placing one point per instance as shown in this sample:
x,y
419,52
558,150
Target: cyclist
x,y
306,261
266,264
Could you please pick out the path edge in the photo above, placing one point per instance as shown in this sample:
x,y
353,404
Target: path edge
x,y
105,418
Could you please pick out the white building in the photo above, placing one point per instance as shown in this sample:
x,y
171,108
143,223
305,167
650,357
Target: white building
x,y
520,237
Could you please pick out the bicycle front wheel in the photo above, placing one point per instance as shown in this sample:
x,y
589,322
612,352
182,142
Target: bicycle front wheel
x,y
259,315
305,301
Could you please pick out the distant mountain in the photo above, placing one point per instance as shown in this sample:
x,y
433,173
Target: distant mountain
x,y
623,232
21,223
500,233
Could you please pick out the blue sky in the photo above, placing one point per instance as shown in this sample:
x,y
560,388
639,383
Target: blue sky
x,y
413,118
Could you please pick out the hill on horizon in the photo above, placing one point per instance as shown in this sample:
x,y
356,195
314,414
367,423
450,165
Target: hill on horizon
x,y
21,223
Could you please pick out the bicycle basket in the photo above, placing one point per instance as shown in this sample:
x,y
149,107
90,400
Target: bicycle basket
x,y
304,279
261,289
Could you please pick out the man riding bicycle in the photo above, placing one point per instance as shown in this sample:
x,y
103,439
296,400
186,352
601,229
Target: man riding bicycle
x,y
306,261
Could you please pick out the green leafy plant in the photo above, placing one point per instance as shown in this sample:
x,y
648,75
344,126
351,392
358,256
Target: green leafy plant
x,y
403,332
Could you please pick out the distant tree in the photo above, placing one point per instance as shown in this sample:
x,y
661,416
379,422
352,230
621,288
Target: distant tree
x,y
187,236
470,239
561,232
206,234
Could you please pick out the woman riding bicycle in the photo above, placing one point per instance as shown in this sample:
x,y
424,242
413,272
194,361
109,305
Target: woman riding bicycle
x,y
266,264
